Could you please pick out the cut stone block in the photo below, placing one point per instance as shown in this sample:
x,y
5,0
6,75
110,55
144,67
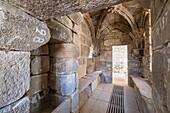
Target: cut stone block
x,y
14,76
74,101
84,95
106,77
77,18
20,106
63,84
65,21
76,29
76,39
64,50
59,33
38,83
20,31
63,65
43,50
39,65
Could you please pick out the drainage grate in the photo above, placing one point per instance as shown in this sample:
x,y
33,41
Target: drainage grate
x,y
116,103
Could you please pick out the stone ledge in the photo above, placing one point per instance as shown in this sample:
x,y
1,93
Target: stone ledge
x,y
85,81
143,87
143,94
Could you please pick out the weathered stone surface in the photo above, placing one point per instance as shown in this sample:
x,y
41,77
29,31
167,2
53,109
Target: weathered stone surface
x,y
63,65
65,21
74,101
84,95
43,50
85,51
64,50
77,18
76,39
76,29
63,84
14,76
106,77
20,31
49,9
20,106
106,56
38,83
38,96
64,107
59,33
51,103
39,65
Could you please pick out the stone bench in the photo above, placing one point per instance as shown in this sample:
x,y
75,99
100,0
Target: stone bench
x,y
143,94
51,103
87,85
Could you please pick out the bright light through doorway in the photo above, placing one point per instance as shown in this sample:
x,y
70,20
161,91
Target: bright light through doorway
x,y
120,64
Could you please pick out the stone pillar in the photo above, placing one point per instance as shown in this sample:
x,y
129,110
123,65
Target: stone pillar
x,y
20,33
64,53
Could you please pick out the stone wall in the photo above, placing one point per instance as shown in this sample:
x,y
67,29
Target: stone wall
x,y
85,44
20,34
39,75
160,35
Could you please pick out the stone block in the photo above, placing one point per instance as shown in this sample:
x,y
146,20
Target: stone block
x,y
63,84
84,95
76,39
74,101
39,65
106,56
59,33
77,81
106,77
82,98
85,51
65,21
14,76
38,83
20,106
77,18
64,50
43,50
21,31
76,29
63,65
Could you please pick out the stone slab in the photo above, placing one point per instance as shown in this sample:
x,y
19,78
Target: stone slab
x,y
14,76
38,83
20,106
84,83
74,101
20,31
63,65
65,21
43,50
63,84
64,107
77,18
64,50
59,32
39,64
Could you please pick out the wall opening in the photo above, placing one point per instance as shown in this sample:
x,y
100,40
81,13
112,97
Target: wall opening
x,y
120,64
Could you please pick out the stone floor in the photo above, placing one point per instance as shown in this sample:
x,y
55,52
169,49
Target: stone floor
x,y
99,100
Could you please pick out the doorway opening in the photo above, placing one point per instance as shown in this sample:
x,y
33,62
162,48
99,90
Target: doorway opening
x,y
120,64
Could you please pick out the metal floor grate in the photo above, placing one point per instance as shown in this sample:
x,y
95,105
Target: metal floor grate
x,y
116,103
